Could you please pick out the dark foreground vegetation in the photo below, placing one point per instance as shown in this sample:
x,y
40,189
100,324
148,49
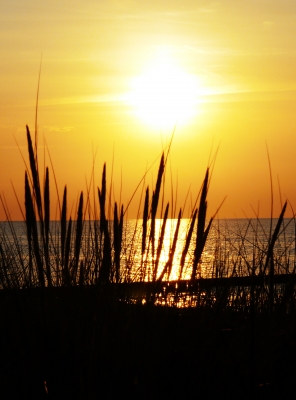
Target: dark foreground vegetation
x,y
79,321
82,343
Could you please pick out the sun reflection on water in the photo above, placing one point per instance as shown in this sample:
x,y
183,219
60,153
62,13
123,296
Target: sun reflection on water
x,y
229,250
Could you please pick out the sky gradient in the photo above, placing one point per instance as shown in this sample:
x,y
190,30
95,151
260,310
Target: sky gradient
x,y
241,53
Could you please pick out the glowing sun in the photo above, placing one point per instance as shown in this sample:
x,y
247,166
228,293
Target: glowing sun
x,y
164,94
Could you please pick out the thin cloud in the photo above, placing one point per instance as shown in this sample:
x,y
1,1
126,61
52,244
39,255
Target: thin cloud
x,y
58,128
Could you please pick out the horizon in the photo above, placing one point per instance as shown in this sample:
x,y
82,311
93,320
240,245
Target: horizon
x,y
216,219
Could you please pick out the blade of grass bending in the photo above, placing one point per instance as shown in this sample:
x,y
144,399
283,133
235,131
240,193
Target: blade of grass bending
x,y
154,203
99,237
201,219
170,144
284,230
79,227
104,234
54,178
162,197
28,224
102,200
46,227
94,272
155,197
110,190
35,175
271,191
116,243
106,261
63,225
269,257
121,229
144,235
145,220
38,200
46,206
160,243
117,227
187,243
32,230
201,233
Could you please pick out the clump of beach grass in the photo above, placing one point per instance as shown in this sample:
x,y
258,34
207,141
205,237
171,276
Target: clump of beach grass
x,y
94,250
73,298
51,262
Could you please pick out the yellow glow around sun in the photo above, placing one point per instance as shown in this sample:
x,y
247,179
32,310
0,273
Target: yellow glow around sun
x,y
164,94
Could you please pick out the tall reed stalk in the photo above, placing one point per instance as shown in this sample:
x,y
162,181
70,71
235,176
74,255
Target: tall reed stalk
x,y
202,233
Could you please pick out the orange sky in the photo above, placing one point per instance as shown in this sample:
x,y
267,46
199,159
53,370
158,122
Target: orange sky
x,y
242,55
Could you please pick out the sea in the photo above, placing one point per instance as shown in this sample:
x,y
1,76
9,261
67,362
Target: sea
x,y
234,247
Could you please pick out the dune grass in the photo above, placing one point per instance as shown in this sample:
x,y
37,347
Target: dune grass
x,y
93,250
79,300
62,263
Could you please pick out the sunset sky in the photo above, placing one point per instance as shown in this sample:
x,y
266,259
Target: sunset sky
x,y
118,76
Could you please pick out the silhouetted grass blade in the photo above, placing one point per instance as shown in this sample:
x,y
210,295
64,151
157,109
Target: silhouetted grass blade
x,y
117,226
46,227
187,243
79,227
33,231
145,221
201,220
64,225
160,242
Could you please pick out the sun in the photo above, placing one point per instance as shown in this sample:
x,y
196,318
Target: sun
x,y
164,94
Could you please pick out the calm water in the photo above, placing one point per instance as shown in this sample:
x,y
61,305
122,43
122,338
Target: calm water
x,y
232,244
